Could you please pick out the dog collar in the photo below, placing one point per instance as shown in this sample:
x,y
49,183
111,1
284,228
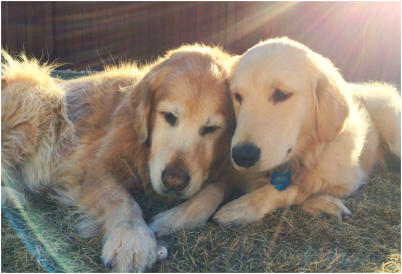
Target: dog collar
x,y
281,179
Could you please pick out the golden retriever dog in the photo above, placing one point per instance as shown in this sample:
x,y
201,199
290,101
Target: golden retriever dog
x,y
167,124
34,119
297,116
35,129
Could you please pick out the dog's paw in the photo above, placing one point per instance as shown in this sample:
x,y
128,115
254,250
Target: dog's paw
x,y
239,211
167,221
130,248
326,204
177,218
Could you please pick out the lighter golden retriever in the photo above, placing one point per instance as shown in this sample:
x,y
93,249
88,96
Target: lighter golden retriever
x,y
168,123
295,112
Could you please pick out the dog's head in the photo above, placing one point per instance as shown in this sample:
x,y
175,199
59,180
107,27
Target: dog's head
x,y
285,96
184,113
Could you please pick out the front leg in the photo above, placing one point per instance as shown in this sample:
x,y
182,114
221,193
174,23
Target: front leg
x,y
128,243
254,206
192,213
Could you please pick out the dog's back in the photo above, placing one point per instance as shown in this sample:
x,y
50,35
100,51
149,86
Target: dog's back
x,y
383,104
43,116
91,100
35,128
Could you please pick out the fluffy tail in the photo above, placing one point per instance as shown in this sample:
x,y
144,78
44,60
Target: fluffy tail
x,y
383,103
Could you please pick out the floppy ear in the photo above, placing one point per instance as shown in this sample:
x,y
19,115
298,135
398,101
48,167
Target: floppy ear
x,y
332,108
141,99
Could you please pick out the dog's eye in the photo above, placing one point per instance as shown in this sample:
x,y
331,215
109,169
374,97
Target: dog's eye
x,y
280,96
237,97
170,118
208,129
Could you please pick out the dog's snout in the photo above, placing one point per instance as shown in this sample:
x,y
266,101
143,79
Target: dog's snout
x,y
246,155
175,179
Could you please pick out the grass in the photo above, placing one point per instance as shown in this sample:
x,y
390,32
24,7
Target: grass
x,y
288,240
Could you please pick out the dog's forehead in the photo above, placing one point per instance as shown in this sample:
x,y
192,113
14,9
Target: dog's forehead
x,y
268,68
201,103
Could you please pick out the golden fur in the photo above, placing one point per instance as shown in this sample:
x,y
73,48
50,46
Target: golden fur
x,y
294,105
34,124
123,141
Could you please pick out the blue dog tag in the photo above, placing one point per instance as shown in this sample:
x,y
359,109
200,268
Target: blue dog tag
x,y
280,180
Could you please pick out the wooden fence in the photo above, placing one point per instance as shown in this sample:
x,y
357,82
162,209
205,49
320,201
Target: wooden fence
x,y
361,38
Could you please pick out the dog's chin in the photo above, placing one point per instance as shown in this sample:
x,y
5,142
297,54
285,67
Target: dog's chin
x,y
161,190
239,168
268,167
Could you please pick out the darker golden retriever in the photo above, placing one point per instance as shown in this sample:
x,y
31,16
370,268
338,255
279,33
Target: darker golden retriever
x,y
98,138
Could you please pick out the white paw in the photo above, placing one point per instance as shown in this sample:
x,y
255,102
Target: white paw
x,y
327,204
238,212
177,218
129,248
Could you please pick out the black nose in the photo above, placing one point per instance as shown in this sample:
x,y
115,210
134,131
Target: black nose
x,y
175,179
246,155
